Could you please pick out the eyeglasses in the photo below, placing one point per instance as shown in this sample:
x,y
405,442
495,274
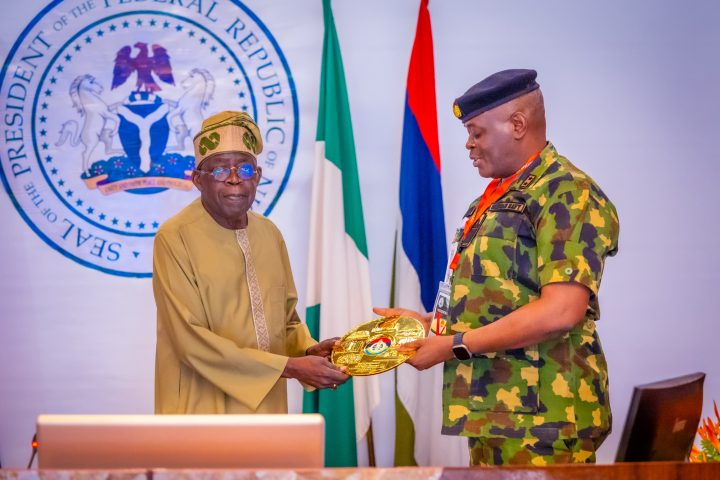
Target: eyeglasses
x,y
246,171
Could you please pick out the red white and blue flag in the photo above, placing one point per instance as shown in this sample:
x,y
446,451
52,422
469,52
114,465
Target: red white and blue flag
x,y
421,259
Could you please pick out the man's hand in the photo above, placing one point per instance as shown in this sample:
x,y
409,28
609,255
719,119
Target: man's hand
x,y
422,318
324,348
315,371
428,351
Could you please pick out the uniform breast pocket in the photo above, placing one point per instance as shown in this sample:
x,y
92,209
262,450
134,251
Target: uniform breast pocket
x,y
495,246
494,256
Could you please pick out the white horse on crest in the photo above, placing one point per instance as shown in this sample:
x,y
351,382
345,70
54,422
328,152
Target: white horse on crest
x,y
187,115
100,123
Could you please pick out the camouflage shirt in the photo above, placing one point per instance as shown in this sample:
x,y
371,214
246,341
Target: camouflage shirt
x,y
553,225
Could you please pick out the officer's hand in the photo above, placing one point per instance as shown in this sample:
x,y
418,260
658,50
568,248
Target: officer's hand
x,y
422,318
315,371
428,351
324,348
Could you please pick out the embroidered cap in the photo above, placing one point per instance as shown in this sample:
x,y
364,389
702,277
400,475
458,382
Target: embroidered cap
x,y
498,88
227,132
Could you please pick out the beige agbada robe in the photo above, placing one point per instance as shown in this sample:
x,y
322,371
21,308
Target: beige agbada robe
x,y
207,359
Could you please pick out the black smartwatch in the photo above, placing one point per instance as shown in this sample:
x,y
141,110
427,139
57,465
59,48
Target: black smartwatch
x,y
459,349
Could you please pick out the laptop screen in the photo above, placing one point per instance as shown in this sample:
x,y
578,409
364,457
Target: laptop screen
x,y
662,420
180,441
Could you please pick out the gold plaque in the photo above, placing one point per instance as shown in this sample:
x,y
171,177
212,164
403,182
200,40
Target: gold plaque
x,y
371,348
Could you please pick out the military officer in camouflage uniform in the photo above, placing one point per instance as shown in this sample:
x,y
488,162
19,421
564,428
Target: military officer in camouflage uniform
x,y
525,378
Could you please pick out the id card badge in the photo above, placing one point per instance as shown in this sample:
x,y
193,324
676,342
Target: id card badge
x,y
441,311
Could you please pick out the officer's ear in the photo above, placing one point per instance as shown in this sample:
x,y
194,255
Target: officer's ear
x,y
519,121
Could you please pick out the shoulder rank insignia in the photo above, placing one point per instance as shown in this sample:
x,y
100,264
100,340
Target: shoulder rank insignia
x,y
527,182
458,235
516,207
472,233
471,210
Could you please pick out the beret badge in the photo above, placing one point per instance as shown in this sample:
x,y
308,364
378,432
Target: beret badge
x,y
457,111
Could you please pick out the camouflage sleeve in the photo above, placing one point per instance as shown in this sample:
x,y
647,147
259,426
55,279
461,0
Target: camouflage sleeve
x,y
578,228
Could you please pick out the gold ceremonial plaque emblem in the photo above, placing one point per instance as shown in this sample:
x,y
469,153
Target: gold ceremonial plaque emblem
x,y
371,348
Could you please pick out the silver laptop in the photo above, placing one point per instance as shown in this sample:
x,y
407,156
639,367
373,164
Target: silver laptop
x,y
180,441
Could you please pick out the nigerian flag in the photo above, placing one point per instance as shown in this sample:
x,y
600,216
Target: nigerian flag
x,y
338,276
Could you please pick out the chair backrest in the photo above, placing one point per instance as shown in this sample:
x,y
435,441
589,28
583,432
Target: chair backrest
x,y
662,420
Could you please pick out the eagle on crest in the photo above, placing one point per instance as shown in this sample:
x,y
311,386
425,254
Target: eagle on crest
x,y
144,65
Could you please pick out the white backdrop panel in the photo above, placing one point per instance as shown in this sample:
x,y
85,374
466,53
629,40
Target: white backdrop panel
x,y
632,98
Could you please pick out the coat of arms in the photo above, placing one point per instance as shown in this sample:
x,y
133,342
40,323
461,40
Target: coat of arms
x,y
141,138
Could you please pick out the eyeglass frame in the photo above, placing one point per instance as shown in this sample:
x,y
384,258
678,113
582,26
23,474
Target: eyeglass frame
x,y
229,172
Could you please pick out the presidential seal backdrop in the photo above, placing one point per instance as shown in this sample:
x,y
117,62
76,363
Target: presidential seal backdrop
x,y
102,100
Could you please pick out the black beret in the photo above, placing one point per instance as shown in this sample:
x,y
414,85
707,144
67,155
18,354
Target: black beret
x,y
498,88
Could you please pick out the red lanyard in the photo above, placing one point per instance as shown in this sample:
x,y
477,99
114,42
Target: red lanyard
x,y
492,193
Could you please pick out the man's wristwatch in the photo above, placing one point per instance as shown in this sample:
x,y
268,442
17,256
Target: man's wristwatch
x,y
459,349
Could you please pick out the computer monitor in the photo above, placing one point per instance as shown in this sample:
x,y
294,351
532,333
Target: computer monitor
x,y
662,420
180,441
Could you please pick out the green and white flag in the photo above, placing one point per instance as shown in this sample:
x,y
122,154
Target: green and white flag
x,y
338,276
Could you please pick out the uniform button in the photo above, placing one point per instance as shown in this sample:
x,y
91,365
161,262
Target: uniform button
x,y
568,271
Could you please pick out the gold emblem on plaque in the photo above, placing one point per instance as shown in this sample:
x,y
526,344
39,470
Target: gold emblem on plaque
x,y
371,348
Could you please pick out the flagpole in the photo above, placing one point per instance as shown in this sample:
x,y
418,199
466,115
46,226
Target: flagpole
x,y
370,446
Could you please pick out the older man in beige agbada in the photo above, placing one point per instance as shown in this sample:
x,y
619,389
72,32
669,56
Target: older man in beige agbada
x,y
227,331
